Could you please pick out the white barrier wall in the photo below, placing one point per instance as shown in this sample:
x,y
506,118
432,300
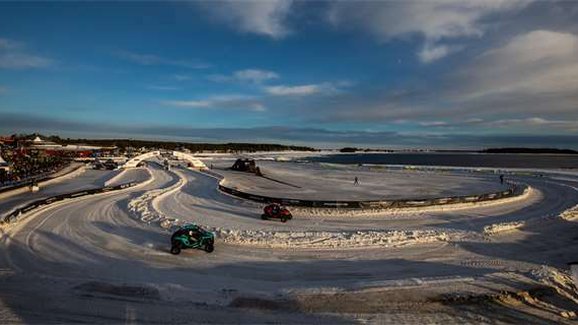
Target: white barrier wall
x,y
136,160
194,162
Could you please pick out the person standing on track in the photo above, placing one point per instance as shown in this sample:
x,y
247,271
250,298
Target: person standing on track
x,y
356,181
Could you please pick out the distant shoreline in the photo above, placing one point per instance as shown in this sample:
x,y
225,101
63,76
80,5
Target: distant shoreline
x,y
456,159
531,151
249,147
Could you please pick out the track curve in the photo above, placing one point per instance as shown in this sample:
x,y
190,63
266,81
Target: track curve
x,y
97,240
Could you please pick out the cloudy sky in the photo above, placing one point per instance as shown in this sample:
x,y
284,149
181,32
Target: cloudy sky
x,y
429,74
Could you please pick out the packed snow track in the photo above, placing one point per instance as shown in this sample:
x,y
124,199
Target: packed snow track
x,y
104,258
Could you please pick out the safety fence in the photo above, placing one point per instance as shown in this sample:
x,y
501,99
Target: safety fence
x,y
46,201
514,190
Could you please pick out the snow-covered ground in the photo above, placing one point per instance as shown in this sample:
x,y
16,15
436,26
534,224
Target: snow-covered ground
x,y
137,175
105,259
318,181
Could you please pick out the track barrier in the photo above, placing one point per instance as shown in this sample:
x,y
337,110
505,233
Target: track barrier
x,y
47,201
514,190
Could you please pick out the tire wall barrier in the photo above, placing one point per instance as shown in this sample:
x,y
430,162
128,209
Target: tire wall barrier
x,y
514,190
43,202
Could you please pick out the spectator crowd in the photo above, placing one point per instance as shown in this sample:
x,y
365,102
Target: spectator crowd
x,y
22,167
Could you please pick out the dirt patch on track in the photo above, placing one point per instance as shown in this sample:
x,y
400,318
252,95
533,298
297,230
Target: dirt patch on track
x,y
536,306
95,287
265,304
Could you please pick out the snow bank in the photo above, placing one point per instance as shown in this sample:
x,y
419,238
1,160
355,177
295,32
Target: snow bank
x,y
570,214
561,281
144,206
496,228
503,227
324,239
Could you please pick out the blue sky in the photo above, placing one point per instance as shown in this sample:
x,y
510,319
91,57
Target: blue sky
x,y
429,74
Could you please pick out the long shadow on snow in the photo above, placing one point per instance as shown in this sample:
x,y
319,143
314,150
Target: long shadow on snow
x,y
61,293
192,270
554,243
554,202
328,271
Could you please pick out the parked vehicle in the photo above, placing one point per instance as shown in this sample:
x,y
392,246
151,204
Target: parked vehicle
x,y
110,164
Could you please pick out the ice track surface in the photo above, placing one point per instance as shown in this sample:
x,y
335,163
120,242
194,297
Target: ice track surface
x,y
93,259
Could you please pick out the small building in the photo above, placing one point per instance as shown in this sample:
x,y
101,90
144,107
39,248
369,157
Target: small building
x,y
75,150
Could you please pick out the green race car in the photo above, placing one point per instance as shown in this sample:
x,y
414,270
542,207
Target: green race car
x,y
192,236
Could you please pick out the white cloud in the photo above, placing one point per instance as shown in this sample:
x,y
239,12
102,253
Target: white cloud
x,y
181,77
23,61
7,44
529,123
434,123
430,52
528,82
221,102
302,90
155,87
251,75
258,17
257,107
151,59
532,76
473,120
189,103
13,56
435,21
536,71
535,122
255,75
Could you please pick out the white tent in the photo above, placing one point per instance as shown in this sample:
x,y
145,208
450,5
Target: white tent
x,y
4,165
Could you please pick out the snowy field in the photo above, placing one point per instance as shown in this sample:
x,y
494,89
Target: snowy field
x,y
315,181
105,259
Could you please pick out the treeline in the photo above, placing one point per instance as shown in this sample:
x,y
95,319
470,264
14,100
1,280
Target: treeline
x,y
530,150
169,145
353,149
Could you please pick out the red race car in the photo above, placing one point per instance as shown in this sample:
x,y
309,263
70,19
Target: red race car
x,y
275,211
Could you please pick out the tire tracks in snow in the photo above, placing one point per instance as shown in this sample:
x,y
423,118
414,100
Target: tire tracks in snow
x,y
147,208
